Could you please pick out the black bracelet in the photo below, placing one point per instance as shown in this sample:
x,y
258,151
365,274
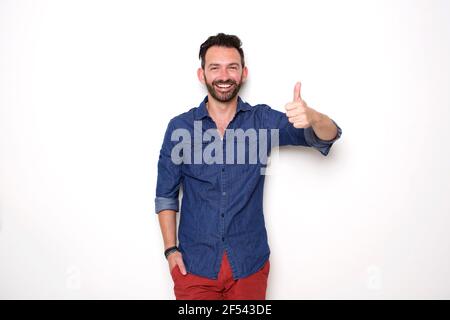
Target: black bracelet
x,y
170,250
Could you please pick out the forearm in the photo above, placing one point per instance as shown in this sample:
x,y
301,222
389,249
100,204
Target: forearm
x,y
323,127
168,224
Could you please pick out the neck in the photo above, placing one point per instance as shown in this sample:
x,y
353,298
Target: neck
x,y
221,111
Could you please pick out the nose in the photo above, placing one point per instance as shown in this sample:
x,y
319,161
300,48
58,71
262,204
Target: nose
x,y
223,75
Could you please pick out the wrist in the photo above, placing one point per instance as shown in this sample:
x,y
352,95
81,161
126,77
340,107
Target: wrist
x,y
170,250
316,119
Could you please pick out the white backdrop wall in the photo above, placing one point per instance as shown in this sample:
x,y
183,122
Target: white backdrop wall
x,y
87,89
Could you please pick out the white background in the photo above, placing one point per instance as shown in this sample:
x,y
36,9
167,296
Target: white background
x,y
87,89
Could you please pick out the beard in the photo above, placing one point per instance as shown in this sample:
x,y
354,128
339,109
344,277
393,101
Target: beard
x,y
226,94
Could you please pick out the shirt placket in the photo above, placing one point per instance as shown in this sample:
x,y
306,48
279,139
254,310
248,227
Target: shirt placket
x,y
224,192
224,184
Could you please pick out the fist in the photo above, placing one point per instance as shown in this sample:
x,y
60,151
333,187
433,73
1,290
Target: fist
x,y
298,112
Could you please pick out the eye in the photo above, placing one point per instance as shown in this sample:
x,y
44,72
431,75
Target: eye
x,y
213,68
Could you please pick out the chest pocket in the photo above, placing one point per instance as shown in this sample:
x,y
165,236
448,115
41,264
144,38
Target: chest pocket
x,y
245,152
206,167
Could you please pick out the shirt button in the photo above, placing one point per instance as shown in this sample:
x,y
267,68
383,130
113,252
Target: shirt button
x,y
224,193
223,239
223,169
222,215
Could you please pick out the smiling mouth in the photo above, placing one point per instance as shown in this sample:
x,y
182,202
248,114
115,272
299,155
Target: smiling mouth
x,y
224,87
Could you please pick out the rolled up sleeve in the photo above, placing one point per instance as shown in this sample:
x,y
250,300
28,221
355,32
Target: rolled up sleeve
x,y
169,176
314,141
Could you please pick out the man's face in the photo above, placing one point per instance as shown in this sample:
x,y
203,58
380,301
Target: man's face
x,y
223,74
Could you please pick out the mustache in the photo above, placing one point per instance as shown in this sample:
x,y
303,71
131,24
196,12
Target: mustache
x,y
229,81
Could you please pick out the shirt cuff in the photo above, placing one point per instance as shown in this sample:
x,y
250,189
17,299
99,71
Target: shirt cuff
x,y
322,145
162,203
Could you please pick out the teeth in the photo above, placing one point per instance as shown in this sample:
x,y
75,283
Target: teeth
x,y
224,85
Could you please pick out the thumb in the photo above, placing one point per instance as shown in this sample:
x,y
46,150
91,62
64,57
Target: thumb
x,y
182,267
297,93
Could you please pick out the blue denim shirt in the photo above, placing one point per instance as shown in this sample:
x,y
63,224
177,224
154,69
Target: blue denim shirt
x,y
222,202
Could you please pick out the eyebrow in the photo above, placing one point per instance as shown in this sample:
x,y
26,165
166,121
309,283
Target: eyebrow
x,y
217,64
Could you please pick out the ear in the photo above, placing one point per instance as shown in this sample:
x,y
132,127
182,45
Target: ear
x,y
201,75
244,74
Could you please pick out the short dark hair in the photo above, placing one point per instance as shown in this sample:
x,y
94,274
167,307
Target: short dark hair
x,y
221,40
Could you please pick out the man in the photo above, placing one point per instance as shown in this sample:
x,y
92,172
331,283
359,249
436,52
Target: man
x,y
223,251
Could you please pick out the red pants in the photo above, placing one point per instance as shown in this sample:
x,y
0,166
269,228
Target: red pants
x,y
193,287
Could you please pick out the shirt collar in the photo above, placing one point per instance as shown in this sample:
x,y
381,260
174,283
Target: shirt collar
x,y
201,111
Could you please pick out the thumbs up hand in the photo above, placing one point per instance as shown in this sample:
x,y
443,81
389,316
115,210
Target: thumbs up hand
x,y
298,112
